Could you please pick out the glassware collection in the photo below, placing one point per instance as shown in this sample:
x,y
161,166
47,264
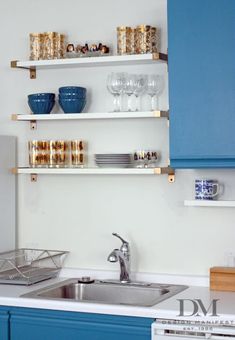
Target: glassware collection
x,y
124,85
73,154
53,45
139,40
56,153
46,46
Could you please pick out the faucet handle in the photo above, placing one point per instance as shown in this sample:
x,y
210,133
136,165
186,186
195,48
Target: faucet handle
x,y
120,238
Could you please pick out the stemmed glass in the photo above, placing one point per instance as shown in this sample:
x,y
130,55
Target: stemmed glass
x,y
140,88
115,85
129,88
154,89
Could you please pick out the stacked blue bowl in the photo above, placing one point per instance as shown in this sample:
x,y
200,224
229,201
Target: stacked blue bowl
x,y
72,99
41,103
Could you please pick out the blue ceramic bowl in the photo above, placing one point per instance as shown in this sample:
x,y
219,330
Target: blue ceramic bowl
x,y
71,95
73,89
41,106
46,96
72,105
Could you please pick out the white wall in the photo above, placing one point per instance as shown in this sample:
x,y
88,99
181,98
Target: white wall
x,y
80,213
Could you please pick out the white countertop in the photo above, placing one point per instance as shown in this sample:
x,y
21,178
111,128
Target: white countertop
x,y
168,309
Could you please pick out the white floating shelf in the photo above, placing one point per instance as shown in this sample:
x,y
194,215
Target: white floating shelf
x,y
87,171
134,59
95,171
90,116
201,203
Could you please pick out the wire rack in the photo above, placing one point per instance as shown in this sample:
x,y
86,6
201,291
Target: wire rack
x,y
27,266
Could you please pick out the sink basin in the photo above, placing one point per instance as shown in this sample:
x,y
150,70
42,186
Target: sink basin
x,y
134,294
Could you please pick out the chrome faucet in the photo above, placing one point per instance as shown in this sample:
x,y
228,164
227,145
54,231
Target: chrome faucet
x,y
123,256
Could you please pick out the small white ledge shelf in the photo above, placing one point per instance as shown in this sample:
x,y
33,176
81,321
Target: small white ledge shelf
x,y
134,59
90,116
204,203
34,172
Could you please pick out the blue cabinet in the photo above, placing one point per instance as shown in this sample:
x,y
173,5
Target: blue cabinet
x,y
36,324
4,324
202,83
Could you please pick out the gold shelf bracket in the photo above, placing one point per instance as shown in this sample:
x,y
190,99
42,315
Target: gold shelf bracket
x,y
33,124
33,72
14,171
14,117
166,171
34,177
32,69
161,114
160,56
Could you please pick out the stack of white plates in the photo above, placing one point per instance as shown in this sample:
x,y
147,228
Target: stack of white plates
x,y
113,160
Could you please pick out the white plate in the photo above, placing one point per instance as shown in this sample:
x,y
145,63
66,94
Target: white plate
x,y
113,165
112,156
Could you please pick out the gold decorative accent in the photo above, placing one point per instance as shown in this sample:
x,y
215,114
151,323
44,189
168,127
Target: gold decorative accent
x,y
34,177
14,116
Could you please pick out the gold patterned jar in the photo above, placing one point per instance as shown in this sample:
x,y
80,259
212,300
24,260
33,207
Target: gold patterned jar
x,y
77,153
59,153
125,40
48,45
39,153
143,42
36,46
155,39
59,46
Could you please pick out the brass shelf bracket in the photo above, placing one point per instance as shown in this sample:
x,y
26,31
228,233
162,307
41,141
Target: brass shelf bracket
x,y
166,171
160,56
33,177
33,125
14,171
32,70
161,114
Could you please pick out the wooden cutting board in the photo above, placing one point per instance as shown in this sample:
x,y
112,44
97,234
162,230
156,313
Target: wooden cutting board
x,y
222,278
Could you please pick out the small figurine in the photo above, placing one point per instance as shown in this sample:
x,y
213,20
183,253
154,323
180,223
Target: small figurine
x,y
93,48
70,48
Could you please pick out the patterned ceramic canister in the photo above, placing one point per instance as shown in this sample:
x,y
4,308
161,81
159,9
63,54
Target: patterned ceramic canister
x,y
206,189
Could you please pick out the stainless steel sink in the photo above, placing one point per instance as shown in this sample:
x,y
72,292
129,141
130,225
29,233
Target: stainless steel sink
x,y
134,293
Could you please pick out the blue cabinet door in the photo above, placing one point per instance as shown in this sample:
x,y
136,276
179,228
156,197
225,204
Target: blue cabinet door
x,y
32,324
202,83
4,324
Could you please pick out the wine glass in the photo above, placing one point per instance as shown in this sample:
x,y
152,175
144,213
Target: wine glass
x,y
115,85
141,84
129,89
154,89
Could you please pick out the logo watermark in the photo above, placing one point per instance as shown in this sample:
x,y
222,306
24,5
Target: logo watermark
x,y
197,308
